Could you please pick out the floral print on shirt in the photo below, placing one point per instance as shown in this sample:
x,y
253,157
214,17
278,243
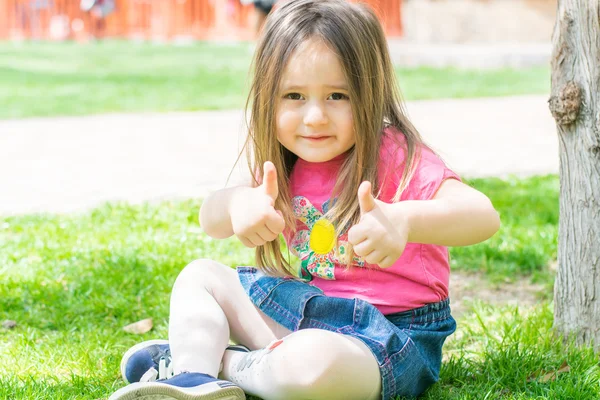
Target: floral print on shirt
x,y
312,262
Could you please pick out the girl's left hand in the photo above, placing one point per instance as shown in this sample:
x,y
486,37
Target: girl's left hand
x,y
375,238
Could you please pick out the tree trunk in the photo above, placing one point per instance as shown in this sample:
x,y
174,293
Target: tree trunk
x,y
575,105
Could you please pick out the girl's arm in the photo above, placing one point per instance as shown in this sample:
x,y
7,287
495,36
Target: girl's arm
x,y
215,215
458,215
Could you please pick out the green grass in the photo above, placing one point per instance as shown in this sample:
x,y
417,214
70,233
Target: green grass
x,y
51,79
526,241
72,282
507,353
452,83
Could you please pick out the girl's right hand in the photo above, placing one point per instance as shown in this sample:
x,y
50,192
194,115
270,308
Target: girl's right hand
x,y
253,216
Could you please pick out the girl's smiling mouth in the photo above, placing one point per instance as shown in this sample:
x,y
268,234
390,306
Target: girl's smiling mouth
x,y
316,138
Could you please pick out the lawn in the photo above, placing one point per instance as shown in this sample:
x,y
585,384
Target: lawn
x,y
50,79
72,282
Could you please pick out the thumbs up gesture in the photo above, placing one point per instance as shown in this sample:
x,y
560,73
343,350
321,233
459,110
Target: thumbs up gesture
x,y
375,238
253,216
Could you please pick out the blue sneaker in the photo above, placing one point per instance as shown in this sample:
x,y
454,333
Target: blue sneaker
x,y
150,361
185,386
147,362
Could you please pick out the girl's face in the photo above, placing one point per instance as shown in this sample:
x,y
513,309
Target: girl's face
x,y
314,117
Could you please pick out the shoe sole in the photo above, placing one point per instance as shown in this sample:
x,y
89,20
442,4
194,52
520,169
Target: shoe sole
x,y
135,348
161,391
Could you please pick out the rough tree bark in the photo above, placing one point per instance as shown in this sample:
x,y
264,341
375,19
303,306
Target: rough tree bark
x,y
575,105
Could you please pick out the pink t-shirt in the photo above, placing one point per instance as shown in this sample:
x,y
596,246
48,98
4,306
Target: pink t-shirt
x,y
421,274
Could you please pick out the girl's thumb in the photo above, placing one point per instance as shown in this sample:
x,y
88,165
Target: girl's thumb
x,y
366,201
270,180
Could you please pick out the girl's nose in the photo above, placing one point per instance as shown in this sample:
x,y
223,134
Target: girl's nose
x,y
315,115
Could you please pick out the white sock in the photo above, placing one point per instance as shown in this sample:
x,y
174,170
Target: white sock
x,y
251,370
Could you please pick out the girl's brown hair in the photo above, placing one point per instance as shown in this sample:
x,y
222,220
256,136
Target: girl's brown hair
x,y
354,33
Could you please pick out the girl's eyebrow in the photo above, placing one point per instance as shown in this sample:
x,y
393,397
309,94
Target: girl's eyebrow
x,y
340,86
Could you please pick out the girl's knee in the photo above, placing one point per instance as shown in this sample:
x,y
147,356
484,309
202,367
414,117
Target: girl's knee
x,y
326,364
200,272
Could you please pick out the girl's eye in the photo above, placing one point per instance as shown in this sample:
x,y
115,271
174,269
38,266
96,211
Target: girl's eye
x,y
338,96
293,96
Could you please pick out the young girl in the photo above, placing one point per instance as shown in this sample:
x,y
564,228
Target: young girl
x,y
363,203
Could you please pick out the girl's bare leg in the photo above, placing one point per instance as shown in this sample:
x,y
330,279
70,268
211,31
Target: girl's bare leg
x,y
209,305
307,364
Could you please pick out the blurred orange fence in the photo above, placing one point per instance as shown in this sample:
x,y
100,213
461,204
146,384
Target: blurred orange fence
x,y
147,19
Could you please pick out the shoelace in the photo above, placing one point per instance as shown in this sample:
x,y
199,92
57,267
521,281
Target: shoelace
x,y
165,371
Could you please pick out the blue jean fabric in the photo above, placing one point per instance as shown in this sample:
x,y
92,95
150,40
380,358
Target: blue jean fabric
x,y
407,345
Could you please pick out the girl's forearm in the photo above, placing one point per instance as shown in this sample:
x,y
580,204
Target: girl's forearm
x,y
447,221
215,218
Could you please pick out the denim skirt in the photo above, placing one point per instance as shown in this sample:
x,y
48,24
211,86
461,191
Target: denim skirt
x,y
407,345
